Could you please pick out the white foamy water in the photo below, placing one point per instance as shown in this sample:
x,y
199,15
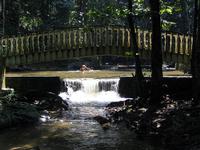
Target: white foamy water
x,y
91,91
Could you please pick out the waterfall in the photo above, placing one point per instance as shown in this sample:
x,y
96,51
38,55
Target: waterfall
x,y
91,90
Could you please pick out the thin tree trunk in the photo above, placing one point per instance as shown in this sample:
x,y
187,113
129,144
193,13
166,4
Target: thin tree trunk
x,y
196,57
138,68
194,38
2,72
156,54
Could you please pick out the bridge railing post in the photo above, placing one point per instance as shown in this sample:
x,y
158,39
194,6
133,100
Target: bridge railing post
x,y
126,41
181,52
169,45
190,41
2,64
186,45
138,38
168,48
10,46
120,41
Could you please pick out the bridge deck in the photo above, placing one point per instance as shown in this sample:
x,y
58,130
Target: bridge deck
x,y
87,74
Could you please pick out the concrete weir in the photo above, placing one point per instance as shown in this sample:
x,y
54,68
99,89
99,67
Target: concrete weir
x,y
26,84
177,87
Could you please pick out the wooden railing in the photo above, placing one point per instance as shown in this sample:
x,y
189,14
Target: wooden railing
x,y
80,42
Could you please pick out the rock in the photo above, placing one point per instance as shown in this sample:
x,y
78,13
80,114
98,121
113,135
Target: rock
x,y
104,122
45,100
106,126
120,103
18,113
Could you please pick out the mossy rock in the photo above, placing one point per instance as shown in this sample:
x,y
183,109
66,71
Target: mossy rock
x,y
18,113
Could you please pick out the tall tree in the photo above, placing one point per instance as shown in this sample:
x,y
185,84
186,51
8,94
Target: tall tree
x,y
134,40
196,54
156,53
138,71
194,37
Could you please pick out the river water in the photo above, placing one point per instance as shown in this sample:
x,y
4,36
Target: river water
x,y
76,130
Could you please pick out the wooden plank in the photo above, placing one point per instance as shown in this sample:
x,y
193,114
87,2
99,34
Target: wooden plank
x,y
53,55
9,47
42,57
60,54
58,41
186,45
104,40
38,43
36,58
116,41
69,39
175,43
148,37
139,38
32,44
145,42
48,56
126,41
4,44
77,46
190,45
44,42
169,43
28,44
181,51
89,49
121,41
29,59
17,60
95,39
10,61
64,44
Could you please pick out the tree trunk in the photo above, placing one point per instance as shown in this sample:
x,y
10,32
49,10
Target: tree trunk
x,y
196,58
2,72
194,38
138,68
156,54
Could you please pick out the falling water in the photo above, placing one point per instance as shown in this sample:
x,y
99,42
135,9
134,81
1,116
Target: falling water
x,y
93,91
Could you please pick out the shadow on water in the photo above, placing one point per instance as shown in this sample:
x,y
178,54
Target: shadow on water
x,y
76,130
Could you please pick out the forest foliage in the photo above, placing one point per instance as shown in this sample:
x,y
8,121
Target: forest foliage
x,y
32,16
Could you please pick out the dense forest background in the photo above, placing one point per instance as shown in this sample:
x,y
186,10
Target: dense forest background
x,y
19,17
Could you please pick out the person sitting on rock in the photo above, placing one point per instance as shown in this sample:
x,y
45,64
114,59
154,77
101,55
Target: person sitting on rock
x,y
84,68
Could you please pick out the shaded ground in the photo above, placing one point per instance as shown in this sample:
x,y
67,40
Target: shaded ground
x,y
174,124
86,74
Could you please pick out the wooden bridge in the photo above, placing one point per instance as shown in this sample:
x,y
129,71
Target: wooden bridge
x,y
89,42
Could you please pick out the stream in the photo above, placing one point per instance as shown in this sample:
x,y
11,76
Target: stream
x,y
77,130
